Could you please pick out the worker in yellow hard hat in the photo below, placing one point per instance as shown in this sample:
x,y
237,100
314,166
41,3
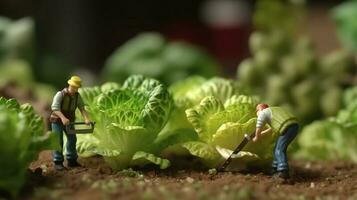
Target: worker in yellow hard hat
x,y
64,106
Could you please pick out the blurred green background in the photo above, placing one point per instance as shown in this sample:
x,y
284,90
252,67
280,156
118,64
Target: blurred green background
x,y
71,35
285,51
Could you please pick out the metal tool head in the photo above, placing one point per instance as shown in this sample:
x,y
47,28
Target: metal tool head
x,y
225,153
71,128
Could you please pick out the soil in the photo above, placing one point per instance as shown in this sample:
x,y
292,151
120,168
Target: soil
x,y
96,180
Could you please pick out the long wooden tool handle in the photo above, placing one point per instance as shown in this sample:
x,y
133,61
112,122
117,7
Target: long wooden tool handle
x,y
246,139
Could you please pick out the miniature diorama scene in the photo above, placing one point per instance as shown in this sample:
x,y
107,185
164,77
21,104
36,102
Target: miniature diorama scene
x,y
206,99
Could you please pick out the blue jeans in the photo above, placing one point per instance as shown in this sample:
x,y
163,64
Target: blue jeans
x,y
71,153
280,162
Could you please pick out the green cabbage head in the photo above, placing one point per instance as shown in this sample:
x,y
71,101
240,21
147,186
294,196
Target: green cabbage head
x,y
221,127
128,121
188,93
334,138
22,138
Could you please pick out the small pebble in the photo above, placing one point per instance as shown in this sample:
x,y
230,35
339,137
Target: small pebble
x,y
190,180
312,185
308,165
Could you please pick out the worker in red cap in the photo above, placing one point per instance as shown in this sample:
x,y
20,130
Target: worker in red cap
x,y
286,125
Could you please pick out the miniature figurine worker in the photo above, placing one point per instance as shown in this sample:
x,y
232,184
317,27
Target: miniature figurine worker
x,y
286,125
63,107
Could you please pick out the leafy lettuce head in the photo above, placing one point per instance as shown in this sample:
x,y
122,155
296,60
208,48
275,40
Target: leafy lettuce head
x,y
222,125
129,119
328,140
333,138
189,93
22,138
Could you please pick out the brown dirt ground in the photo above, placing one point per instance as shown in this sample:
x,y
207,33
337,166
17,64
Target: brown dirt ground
x,y
95,180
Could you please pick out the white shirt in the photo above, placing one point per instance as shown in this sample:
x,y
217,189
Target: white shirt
x,y
264,116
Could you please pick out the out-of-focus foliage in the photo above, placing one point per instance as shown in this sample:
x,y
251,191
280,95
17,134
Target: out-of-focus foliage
x,y
150,54
22,138
17,52
284,70
18,45
345,16
19,73
17,39
268,14
334,138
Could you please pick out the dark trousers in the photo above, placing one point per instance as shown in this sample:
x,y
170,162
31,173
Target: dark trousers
x,y
71,152
280,162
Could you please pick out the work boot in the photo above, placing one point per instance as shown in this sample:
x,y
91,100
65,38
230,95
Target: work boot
x,y
59,166
282,175
73,163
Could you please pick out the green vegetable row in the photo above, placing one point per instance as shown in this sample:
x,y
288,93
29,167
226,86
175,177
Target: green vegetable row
x,y
142,122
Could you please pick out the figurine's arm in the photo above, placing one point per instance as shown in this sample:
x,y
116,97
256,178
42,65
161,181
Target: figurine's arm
x,y
261,121
56,108
266,131
258,132
83,110
85,115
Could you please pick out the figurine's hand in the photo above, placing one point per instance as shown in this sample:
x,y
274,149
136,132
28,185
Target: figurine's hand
x,y
87,121
65,121
255,139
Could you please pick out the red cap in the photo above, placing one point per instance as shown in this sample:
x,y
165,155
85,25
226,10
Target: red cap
x,y
261,106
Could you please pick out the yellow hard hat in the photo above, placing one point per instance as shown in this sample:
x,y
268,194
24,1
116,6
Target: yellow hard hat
x,y
75,81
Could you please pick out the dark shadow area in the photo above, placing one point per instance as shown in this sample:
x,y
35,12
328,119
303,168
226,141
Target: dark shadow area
x,y
302,175
34,180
